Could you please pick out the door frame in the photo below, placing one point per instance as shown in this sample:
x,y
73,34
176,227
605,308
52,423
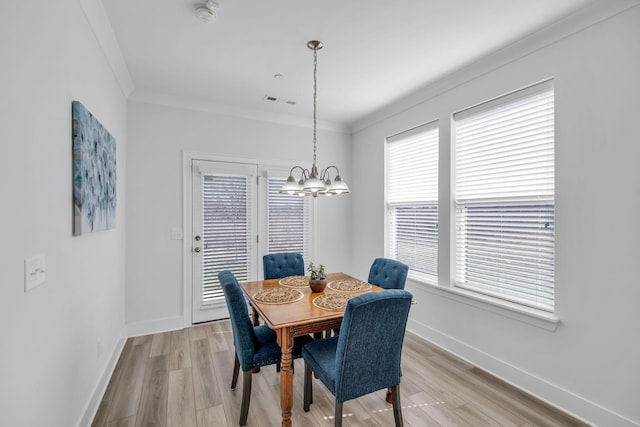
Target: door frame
x,y
187,219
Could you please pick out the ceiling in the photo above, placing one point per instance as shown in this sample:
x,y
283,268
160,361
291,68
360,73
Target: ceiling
x,y
375,51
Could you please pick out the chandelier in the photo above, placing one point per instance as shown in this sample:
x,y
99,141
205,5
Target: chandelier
x,y
312,183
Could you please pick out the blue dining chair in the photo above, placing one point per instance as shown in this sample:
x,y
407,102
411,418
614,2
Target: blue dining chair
x,y
254,346
277,266
350,365
388,273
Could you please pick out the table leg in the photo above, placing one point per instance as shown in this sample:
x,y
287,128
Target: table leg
x,y
286,376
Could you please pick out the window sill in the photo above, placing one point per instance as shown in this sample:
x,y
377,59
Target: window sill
x,y
531,316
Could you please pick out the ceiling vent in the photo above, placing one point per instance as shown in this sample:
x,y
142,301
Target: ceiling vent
x,y
279,100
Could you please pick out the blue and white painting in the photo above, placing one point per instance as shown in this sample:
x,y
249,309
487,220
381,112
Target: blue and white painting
x,y
94,173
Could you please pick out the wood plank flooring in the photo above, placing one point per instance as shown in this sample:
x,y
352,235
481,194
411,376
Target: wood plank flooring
x,y
182,379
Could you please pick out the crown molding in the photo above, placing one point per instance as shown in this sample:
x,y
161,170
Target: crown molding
x,y
580,20
152,97
101,27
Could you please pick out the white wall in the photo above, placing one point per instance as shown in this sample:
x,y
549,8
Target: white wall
x,y
589,364
158,135
49,362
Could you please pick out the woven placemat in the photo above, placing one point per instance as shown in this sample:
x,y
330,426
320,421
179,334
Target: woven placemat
x,y
277,296
349,285
333,302
295,282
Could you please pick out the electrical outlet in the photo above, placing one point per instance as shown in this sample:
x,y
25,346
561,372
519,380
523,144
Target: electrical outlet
x,y
34,272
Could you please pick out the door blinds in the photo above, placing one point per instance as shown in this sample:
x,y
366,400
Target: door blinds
x,y
228,237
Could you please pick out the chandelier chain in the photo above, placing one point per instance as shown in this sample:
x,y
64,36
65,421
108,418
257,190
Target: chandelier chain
x,y
315,83
313,182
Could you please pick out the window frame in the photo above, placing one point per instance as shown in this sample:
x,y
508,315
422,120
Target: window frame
x,y
541,200
444,285
429,200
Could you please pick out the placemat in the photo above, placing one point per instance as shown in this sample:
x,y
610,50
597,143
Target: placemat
x,y
349,285
295,281
333,302
277,296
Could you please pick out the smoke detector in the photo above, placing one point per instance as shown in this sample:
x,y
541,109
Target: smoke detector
x,y
208,12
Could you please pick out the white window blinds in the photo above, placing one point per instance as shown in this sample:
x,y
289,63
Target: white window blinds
x,y
228,234
504,197
288,224
412,198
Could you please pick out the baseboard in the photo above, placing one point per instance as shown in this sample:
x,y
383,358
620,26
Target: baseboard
x,y
98,392
155,326
132,330
555,396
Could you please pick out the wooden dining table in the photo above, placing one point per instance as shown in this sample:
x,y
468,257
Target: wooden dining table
x,y
294,319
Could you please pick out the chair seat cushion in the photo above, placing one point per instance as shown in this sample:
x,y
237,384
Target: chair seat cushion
x,y
321,357
267,349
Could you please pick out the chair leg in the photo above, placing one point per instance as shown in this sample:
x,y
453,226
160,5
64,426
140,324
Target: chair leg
x,y
246,397
388,397
308,388
397,407
255,317
338,415
236,371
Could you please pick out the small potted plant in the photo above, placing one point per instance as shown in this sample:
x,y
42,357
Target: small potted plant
x,y
318,279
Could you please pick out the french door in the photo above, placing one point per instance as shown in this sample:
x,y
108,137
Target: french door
x,y
224,232
238,215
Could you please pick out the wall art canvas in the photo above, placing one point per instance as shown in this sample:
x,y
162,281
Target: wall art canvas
x,y
94,173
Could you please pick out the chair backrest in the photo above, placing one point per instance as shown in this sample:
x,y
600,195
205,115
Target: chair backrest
x,y
388,273
243,334
370,343
277,266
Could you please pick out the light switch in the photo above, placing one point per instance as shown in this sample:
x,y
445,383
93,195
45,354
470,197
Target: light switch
x,y
34,272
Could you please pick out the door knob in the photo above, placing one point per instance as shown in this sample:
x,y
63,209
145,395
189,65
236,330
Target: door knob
x,y
196,249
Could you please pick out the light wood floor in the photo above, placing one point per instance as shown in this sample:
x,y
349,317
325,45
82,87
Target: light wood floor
x,y
182,378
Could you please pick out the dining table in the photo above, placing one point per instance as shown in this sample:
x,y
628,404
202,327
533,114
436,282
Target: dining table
x,y
291,315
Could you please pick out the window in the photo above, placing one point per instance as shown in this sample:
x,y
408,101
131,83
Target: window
x,y
504,197
412,199
288,225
